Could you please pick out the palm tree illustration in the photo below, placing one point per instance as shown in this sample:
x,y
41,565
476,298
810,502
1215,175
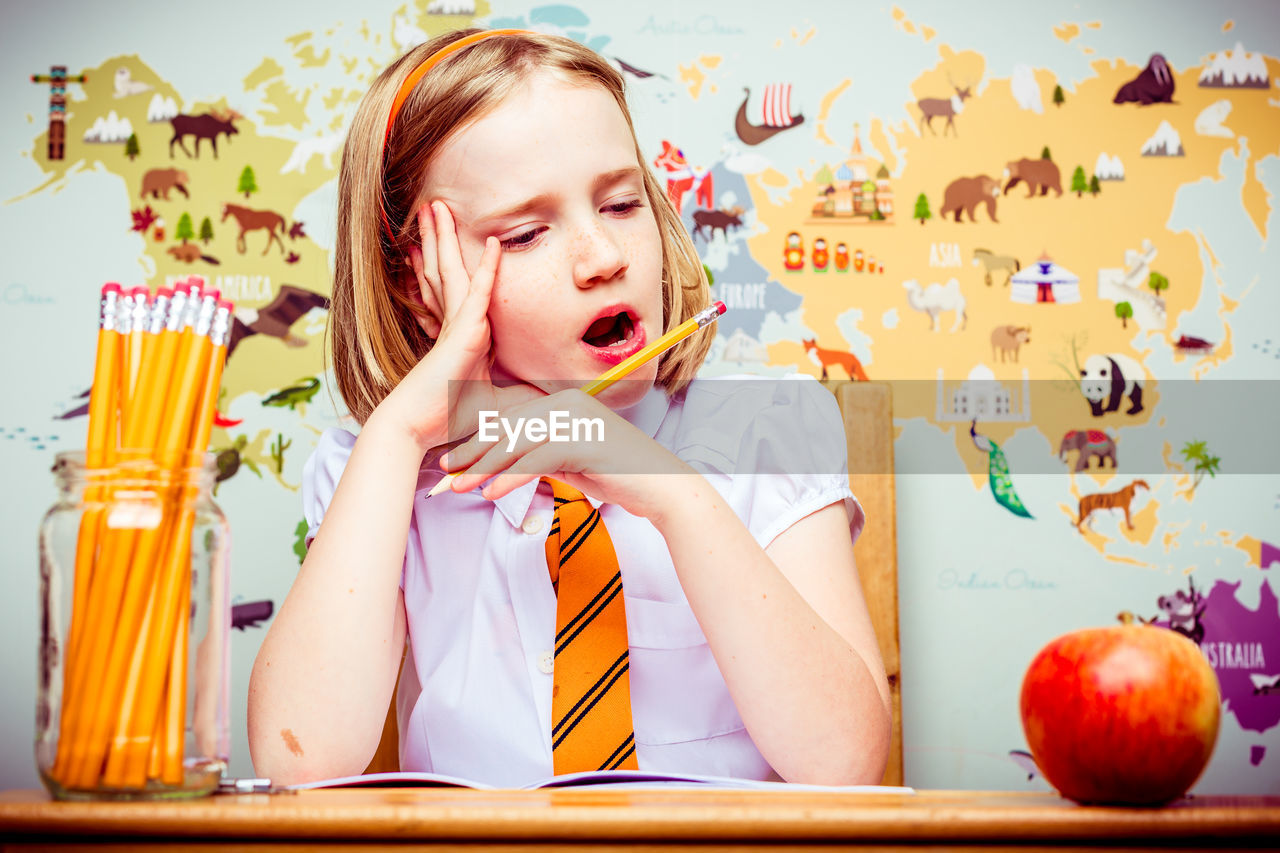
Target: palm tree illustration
x,y
1205,463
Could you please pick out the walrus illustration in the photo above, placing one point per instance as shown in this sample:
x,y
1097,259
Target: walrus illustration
x,y
1153,85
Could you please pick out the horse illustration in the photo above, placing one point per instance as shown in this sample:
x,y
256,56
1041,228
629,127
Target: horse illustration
x,y
992,262
681,177
252,220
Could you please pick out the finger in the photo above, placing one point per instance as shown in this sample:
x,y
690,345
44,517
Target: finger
x,y
427,241
426,292
542,461
476,303
454,279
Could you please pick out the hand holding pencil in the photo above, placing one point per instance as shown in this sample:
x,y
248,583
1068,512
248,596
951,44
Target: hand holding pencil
x,y
620,371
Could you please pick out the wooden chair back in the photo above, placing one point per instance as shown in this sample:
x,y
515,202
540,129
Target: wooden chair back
x,y
867,409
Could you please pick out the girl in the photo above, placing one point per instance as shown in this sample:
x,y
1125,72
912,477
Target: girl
x,y
500,240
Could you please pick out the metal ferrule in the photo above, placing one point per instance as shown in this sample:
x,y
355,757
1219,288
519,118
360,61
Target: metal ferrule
x,y
204,318
141,309
124,314
192,308
707,315
107,311
220,331
177,308
156,316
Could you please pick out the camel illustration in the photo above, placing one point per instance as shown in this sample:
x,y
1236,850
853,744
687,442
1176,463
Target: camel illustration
x,y
935,299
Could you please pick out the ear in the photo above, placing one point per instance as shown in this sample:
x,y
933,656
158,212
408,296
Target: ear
x,y
415,284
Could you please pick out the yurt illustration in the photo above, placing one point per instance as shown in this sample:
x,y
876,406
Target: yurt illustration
x,y
1045,281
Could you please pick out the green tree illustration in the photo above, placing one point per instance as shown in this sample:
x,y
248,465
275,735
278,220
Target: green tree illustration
x,y
1124,311
1058,97
1205,463
278,447
1044,154
184,231
1157,282
247,182
1079,185
1095,186
131,149
206,230
823,176
922,209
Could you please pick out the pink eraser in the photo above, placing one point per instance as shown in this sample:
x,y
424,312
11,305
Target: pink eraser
x,y
111,287
212,292
721,307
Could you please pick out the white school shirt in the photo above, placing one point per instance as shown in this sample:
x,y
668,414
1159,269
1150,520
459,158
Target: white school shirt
x,y
475,692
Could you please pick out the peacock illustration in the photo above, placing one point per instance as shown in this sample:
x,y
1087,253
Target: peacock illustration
x,y
998,473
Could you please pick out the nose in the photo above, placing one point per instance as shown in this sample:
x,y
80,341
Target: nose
x,y
598,255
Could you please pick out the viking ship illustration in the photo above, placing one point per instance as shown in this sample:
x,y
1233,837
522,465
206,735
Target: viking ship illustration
x,y
772,115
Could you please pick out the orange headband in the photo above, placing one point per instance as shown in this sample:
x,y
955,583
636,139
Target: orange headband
x,y
421,71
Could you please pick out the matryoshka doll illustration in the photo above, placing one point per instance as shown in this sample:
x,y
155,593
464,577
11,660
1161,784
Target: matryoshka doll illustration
x,y
793,254
858,262
820,255
842,257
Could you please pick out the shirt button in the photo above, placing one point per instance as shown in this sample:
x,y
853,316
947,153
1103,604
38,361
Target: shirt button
x,y
546,663
532,524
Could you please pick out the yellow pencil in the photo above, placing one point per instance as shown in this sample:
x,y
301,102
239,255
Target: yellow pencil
x,y
620,371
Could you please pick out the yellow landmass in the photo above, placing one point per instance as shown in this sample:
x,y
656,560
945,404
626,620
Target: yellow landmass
x,y
1251,547
808,35
1228,25
286,106
990,133
1172,536
909,27
307,57
912,27
268,69
334,98
898,14
1128,561
1066,31
771,177
1094,25
824,110
693,78
349,63
298,38
710,60
880,144
1087,51
1144,524
927,32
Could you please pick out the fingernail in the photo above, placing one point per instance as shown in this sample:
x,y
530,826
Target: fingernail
x,y
444,462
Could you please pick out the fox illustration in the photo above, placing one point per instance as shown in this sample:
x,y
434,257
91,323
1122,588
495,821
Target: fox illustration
x,y
825,358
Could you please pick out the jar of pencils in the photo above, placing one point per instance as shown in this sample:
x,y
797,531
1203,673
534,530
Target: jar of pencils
x,y
132,700
134,676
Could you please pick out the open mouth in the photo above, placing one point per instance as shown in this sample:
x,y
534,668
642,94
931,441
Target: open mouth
x,y
615,330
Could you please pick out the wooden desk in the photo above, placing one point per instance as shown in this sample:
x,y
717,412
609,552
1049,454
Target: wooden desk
x,y
644,819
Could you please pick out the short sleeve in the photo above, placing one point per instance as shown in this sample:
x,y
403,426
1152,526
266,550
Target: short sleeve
x,y
775,448
798,446
321,474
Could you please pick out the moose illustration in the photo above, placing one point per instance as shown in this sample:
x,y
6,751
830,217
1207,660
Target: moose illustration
x,y
948,108
204,126
714,220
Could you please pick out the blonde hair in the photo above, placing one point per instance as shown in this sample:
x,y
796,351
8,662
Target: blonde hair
x,y
374,335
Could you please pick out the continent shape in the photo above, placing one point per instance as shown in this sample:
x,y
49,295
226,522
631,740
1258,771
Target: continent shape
x,y
1240,642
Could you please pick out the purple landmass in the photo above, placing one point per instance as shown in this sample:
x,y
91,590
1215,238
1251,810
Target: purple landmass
x,y
1269,554
1238,641
1255,754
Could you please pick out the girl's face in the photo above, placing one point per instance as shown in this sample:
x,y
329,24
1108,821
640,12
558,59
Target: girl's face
x,y
552,173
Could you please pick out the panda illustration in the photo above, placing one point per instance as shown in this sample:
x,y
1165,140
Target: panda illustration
x,y
1107,379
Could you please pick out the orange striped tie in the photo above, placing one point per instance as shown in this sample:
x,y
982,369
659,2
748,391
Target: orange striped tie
x,y
591,694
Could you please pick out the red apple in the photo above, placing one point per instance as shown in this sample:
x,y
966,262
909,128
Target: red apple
x,y
1125,715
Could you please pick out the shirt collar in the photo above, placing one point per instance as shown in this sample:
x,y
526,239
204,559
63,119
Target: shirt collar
x,y
646,416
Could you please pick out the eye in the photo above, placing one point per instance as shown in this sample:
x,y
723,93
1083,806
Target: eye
x,y
621,208
522,240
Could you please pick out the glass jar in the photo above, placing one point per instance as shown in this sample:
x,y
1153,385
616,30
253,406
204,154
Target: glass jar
x,y
135,621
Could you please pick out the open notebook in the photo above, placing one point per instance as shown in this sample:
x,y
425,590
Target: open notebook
x,y
628,778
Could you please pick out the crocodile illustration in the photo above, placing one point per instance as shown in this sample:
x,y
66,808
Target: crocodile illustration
x,y
294,394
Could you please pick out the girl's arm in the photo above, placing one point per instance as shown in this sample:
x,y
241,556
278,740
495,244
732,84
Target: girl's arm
x,y
324,675
790,633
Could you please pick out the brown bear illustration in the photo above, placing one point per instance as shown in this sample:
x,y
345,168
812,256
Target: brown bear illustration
x,y
158,182
1039,174
964,195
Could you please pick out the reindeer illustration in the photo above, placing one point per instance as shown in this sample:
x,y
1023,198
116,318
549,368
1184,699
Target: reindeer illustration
x,y
931,108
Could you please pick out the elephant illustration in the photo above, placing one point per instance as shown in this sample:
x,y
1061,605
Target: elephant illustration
x,y
1092,443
